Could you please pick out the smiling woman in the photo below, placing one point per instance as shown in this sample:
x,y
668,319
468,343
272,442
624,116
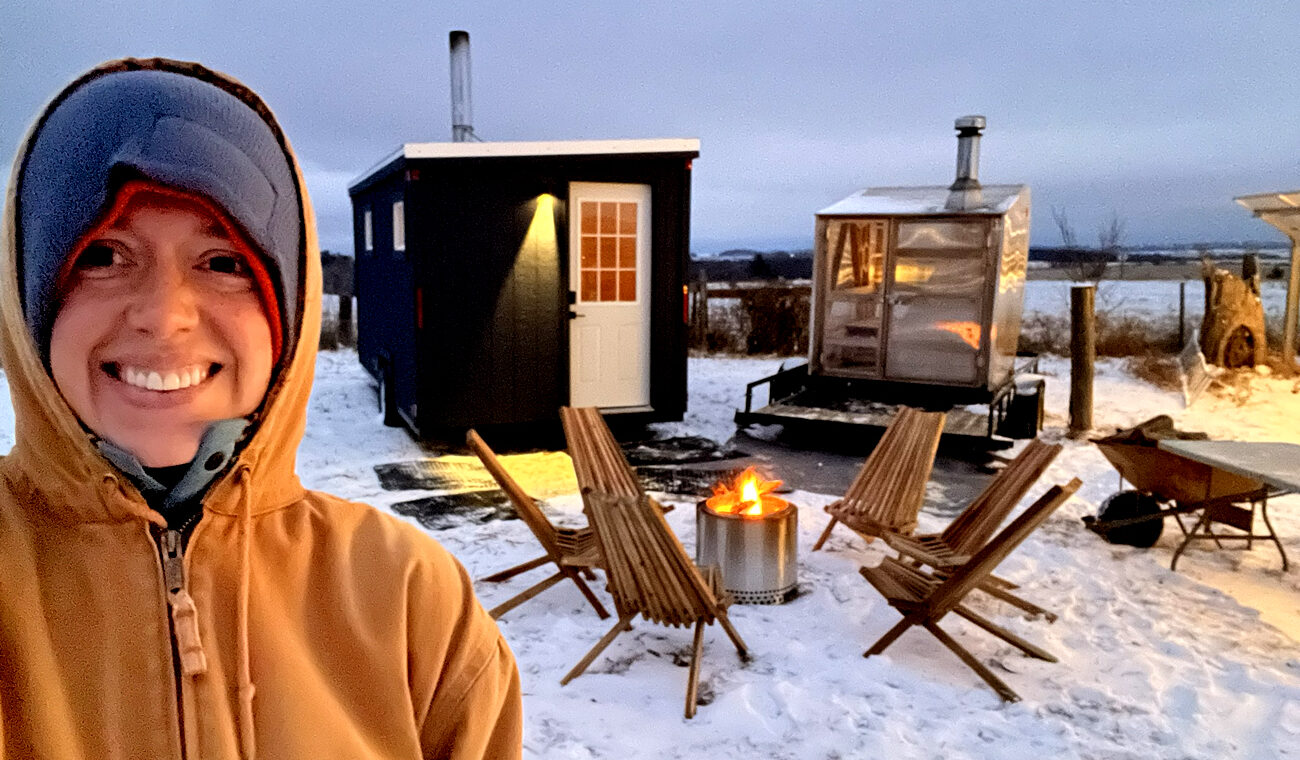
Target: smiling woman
x,y
165,326
167,586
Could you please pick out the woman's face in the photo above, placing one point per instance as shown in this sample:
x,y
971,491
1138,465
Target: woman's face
x,y
160,331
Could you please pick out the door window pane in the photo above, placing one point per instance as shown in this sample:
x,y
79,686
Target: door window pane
x,y
858,254
608,255
937,235
608,285
627,218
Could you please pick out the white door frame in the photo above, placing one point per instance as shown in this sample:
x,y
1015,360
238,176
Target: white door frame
x,y
609,340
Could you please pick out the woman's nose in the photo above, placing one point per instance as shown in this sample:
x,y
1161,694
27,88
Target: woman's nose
x,y
165,304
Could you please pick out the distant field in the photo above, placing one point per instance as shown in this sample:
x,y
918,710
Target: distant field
x,y
1153,297
1181,270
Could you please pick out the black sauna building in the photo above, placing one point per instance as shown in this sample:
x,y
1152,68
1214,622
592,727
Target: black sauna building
x,y
497,281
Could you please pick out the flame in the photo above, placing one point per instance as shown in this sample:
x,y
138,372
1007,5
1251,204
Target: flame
x,y
969,332
749,495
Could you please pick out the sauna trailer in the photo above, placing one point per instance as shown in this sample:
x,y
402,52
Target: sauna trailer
x,y
498,281
916,299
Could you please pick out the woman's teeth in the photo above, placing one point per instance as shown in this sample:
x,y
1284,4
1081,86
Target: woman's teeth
x,y
171,380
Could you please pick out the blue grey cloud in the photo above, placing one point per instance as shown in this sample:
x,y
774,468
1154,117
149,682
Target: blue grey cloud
x,y
1157,112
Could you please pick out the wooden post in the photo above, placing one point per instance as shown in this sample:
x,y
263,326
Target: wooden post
x,y
1182,314
699,305
346,337
1083,350
1292,308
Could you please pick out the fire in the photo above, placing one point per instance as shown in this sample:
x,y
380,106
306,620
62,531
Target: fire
x,y
748,495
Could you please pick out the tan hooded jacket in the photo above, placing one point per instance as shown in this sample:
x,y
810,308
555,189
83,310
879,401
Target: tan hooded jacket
x,y
327,629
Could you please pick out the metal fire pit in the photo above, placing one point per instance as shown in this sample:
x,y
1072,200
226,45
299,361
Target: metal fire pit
x,y
758,555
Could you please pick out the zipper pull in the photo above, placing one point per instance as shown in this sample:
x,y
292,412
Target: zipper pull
x,y
185,616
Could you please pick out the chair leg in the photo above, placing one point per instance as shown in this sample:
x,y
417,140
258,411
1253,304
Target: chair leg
x,y
624,623
588,573
537,588
733,634
890,636
1001,688
517,569
586,591
825,534
693,680
1032,650
1015,601
995,581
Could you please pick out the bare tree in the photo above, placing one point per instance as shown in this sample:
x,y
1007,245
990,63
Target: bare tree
x,y
1085,263
1068,238
1110,237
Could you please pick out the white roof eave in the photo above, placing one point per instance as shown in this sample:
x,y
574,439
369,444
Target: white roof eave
x,y
435,150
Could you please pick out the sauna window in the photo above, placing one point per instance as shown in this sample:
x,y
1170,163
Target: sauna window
x,y
857,254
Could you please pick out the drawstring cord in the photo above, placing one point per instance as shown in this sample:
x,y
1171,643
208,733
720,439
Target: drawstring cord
x,y
247,736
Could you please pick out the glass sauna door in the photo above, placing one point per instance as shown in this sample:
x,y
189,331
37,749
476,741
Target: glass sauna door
x,y
852,331
936,302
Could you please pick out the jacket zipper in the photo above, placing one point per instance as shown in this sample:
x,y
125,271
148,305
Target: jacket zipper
x,y
171,549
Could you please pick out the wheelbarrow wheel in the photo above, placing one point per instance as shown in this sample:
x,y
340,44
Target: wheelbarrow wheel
x,y
1129,504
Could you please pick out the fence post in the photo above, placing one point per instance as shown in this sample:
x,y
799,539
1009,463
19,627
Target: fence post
x,y
699,303
1083,350
1182,314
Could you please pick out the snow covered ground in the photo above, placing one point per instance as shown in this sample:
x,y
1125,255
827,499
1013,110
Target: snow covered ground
x,y
1202,663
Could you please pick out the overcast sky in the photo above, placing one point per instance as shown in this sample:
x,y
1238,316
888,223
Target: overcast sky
x,y
1158,113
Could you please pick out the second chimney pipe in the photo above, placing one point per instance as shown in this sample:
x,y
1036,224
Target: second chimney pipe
x,y
965,190
968,152
462,114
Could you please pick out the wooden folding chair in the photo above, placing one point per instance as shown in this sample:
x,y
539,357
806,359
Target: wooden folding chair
x,y
598,461
570,549
889,490
924,600
973,527
650,574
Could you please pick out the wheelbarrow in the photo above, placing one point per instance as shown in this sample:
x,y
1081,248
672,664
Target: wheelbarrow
x,y
1176,474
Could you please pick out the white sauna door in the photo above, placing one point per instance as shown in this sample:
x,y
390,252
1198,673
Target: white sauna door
x,y
609,273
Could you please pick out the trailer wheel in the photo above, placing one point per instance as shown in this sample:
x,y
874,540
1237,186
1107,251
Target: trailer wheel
x,y
388,399
1126,504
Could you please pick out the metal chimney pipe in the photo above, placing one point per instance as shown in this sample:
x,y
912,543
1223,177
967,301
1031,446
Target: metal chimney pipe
x,y
966,193
462,114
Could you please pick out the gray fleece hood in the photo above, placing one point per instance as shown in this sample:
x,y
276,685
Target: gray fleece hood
x,y
174,123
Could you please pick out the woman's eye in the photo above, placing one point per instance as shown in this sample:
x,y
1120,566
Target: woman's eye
x,y
97,256
228,263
